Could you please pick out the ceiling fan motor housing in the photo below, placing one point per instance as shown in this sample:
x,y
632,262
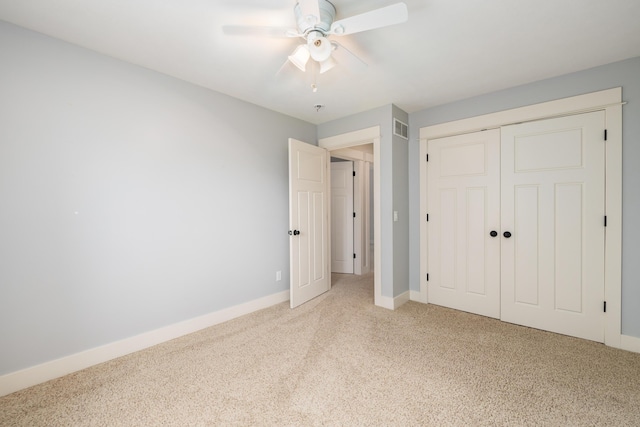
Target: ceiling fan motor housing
x,y
307,24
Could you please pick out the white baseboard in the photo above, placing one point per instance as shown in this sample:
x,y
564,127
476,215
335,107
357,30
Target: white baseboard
x,y
384,302
392,303
403,298
630,343
416,296
28,377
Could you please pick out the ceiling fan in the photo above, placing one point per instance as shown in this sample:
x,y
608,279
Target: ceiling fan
x,y
316,22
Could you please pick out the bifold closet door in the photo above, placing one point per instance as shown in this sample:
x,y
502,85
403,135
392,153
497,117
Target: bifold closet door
x,y
463,195
553,202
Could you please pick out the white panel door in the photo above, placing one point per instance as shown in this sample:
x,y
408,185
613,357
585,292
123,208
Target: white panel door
x,y
342,217
553,207
463,194
308,222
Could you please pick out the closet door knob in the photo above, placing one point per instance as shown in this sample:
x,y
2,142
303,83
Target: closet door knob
x,y
506,234
493,233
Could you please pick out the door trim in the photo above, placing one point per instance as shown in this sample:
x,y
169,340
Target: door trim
x,y
351,139
609,101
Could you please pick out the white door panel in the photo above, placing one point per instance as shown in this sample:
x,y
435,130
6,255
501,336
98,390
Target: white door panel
x,y
308,222
342,232
553,204
549,272
464,202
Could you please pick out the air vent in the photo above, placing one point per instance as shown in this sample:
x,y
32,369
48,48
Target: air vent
x,y
400,129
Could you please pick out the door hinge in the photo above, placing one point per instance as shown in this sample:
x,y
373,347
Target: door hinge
x,y
354,256
354,173
427,277
605,220
605,134
427,157
427,217
604,306
354,214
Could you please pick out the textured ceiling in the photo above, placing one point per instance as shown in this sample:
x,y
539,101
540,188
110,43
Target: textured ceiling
x,y
448,50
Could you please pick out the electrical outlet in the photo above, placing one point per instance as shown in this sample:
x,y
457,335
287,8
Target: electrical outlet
x,y
278,276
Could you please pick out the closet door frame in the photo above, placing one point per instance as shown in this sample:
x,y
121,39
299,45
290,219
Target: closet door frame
x,y
609,101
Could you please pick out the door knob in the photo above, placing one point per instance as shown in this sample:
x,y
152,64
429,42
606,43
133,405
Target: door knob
x,y
294,232
493,233
506,234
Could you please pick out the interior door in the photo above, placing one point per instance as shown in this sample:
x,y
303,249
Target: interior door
x,y
463,195
342,212
553,213
308,222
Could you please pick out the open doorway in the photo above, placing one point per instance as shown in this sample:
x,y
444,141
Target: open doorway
x,y
364,146
351,196
343,217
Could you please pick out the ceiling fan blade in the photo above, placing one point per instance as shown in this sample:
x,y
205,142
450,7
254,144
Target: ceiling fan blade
x,y
310,8
389,15
347,59
250,30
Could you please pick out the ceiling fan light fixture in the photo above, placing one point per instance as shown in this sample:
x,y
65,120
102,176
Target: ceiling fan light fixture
x,y
300,56
315,22
327,64
320,48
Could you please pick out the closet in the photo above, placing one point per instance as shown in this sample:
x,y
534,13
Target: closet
x,y
515,223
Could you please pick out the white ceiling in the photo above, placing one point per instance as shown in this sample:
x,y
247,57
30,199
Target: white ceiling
x,y
448,50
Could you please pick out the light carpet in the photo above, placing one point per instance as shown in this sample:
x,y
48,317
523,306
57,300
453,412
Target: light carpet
x,y
340,361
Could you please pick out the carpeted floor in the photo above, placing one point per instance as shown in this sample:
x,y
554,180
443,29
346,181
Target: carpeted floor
x,y
340,361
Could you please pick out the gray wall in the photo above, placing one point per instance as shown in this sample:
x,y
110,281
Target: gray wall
x,y
400,205
625,74
129,200
393,191
376,117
